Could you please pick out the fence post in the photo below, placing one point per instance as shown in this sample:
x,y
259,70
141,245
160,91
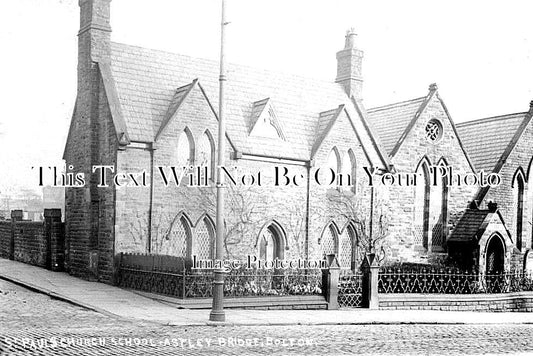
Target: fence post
x,y
370,269
183,285
330,282
16,215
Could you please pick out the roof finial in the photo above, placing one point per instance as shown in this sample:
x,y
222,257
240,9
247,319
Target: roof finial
x,y
433,87
350,38
531,105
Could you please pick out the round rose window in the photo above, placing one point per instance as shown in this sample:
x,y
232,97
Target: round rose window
x,y
433,130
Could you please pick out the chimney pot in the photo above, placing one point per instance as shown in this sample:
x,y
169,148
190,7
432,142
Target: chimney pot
x,y
350,39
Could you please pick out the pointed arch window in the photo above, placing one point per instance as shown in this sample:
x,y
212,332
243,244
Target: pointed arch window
x,y
439,210
349,171
422,205
206,153
518,187
329,241
348,253
185,154
333,168
178,241
203,244
271,243
334,161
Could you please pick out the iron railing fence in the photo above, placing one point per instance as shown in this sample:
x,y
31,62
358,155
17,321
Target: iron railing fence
x,y
271,283
152,281
350,289
451,282
238,283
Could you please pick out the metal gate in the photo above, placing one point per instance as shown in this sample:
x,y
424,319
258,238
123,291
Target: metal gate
x,y
350,289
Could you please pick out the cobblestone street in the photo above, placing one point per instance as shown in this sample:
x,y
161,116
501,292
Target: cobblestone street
x,y
34,324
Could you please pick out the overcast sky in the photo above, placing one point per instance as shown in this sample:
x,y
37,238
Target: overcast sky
x,y
480,53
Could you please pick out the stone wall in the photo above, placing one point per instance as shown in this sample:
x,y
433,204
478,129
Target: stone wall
x,y
301,211
89,209
505,195
413,150
36,243
250,207
510,302
329,204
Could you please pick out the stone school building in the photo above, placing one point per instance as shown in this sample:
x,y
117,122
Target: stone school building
x,y
143,110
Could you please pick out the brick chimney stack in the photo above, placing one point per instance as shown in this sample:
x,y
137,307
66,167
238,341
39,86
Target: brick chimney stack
x,y
94,36
84,143
349,63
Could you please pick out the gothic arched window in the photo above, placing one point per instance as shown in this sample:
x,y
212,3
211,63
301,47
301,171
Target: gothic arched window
x,y
334,160
206,153
203,244
518,187
439,209
271,243
185,154
329,241
348,248
421,206
178,241
349,180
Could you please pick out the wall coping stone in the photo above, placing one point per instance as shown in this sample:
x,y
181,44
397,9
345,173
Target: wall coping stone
x,y
421,297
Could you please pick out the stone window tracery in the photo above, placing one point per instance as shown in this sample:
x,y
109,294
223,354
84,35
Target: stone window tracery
x,y
433,130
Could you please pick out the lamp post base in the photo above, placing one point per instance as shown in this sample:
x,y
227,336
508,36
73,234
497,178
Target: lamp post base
x,y
217,315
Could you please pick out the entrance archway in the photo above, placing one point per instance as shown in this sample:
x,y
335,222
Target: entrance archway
x,y
495,255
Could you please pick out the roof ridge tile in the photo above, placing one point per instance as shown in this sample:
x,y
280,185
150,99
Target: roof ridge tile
x,y
399,103
490,119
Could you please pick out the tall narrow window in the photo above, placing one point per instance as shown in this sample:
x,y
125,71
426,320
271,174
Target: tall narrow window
x,y
348,248
203,244
185,154
334,160
271,244
518,187
348,176
206,154
328,242
439,210
422,204
330,173
178,241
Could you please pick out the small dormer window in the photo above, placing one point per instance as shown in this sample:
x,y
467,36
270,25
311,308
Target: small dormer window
x,y
434,130
265,122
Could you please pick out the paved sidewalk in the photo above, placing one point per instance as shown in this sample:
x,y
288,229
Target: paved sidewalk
x,y
125,304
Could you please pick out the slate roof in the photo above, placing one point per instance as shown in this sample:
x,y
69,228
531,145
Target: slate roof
x,y
146,82
488,140
470,225
390,121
